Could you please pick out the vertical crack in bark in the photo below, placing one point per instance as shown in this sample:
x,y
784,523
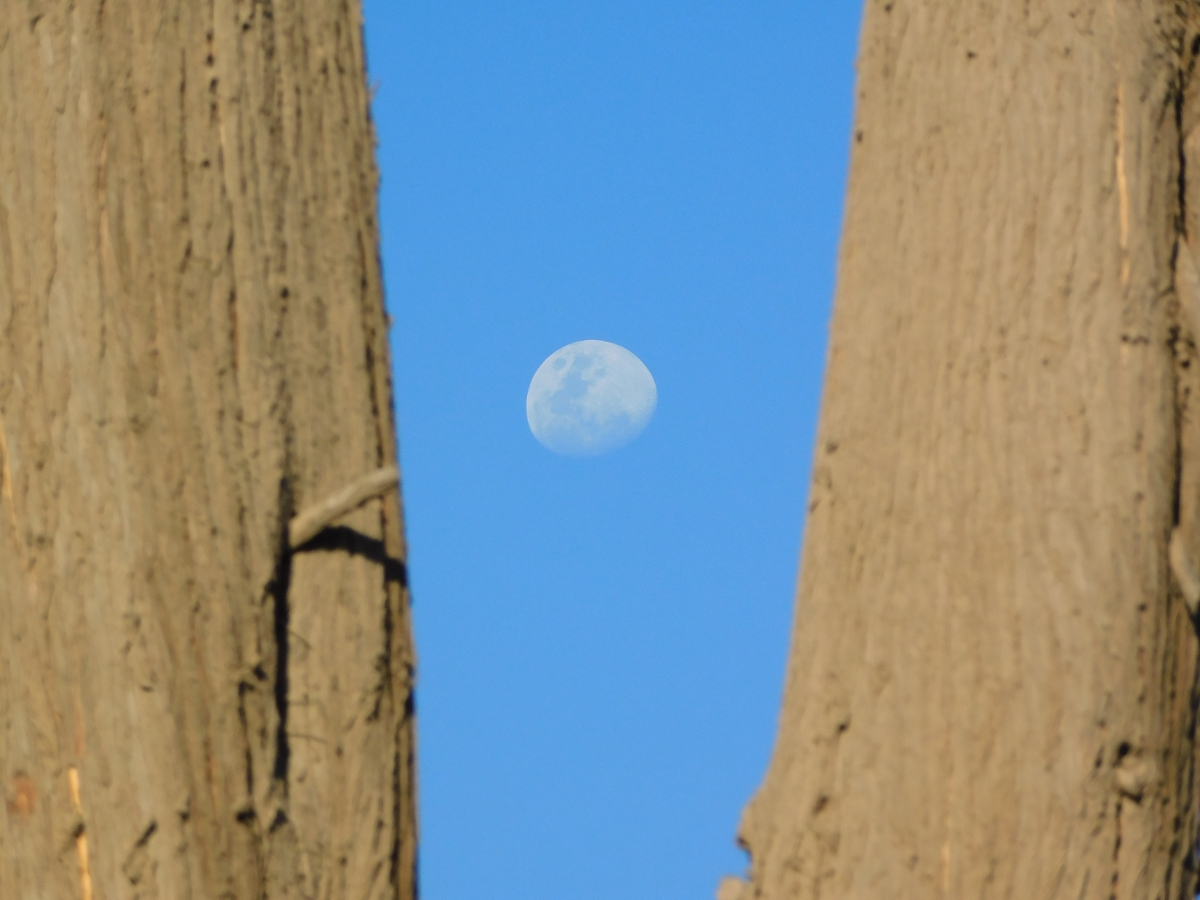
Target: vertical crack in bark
x,y
366,314
277,589
1181,230
1174,334
1116,871
1181,342
1183,349
1191,878
397,796
244,688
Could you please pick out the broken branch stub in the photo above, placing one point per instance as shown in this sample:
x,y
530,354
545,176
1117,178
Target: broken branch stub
x,y
312,521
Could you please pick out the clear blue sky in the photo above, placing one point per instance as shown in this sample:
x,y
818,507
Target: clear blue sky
x,y
602,640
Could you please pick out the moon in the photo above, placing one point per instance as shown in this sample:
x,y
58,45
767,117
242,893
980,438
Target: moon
x,y
589,398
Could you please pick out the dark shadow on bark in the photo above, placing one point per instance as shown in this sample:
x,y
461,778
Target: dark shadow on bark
x,y
277,589
348,540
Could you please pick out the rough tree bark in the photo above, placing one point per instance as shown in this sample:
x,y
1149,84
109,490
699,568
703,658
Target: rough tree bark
x,y
194,349
992,683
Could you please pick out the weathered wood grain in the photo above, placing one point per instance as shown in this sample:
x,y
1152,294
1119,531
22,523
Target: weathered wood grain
x,y
991,688
194,347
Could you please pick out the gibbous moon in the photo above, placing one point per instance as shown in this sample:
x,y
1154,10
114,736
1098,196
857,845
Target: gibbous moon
x,y
590,397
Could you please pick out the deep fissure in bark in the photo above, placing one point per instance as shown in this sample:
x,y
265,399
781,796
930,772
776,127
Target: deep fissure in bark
x,y
1191,858
277,590
1176,330
395,870
1116,871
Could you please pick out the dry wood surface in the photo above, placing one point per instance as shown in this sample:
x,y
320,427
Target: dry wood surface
x,y
194,348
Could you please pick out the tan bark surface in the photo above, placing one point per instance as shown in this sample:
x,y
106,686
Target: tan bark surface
x,y
991,689
193,349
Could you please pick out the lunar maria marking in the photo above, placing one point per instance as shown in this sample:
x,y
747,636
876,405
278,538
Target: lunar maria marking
x,y
590,397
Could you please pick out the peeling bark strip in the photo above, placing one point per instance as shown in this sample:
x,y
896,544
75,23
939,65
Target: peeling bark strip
x,y
1003,540
312,521
192,347
80,835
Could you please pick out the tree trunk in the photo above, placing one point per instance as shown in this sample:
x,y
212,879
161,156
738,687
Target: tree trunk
x,y
195,349
992,683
